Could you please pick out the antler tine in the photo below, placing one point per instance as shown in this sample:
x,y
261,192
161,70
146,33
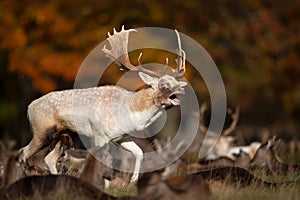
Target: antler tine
x,y
119,52
235,118
140,68
163,72
180,70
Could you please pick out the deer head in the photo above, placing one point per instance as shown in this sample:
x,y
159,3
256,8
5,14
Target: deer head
x,y
265,152
166,87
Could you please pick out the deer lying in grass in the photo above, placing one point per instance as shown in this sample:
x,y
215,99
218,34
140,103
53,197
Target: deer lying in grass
x,y
241,160
52,187
109,112
265,156
221,161
224,152
231,176
152,186
224,141
13,170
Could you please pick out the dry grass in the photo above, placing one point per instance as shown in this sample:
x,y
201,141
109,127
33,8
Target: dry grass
x,y
60,195
221,191
120,188
285,191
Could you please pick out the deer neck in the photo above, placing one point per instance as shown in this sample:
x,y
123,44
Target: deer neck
x,y
143,109
144,100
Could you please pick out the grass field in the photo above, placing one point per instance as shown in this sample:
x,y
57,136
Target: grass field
x,y
286,191
219,190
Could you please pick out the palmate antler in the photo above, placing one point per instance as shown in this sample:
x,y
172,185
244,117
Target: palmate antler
x,y
119,54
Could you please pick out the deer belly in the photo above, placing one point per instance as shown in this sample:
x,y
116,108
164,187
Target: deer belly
x,y
94,126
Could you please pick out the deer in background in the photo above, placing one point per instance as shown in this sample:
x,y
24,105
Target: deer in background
x,y
172,182
52,187
87,165
35,165
224,150
265,156
224,141
106,113
6,148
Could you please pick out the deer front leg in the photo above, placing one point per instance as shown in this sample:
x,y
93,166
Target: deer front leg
x,y
138,153
61,146
51,160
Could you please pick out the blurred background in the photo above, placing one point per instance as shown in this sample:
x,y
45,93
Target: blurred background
x,y
255,44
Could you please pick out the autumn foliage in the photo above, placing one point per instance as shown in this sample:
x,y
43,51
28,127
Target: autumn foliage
x,y
255,44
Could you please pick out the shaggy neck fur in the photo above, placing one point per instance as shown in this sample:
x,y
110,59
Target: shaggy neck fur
x,y
144,100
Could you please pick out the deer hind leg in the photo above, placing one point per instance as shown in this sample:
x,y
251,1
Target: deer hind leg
x,y
138,153
28,150
37,143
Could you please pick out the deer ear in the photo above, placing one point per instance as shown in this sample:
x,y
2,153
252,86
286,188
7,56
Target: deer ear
x,y
149,80
182,83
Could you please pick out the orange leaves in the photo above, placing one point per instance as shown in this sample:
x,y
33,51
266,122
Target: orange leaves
x,y
255,43
64,65
55,22
38,39
11,35
43,68
13,39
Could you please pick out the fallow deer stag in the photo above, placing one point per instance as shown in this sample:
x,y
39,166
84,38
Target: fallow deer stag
x,y
109,112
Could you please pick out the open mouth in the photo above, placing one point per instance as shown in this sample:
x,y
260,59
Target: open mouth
x,y
174,100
